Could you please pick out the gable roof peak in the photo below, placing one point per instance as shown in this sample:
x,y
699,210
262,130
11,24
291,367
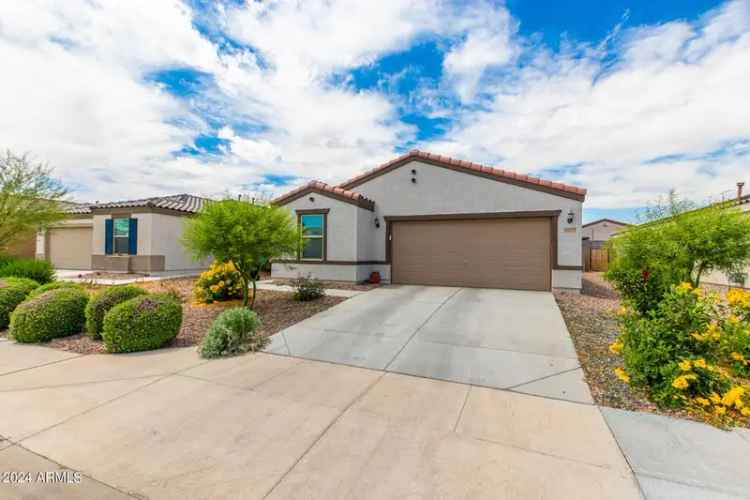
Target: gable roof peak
x,y
559,188
337,192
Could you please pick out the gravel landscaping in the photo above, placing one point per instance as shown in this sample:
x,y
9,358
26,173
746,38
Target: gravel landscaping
x,y
590,317
277,310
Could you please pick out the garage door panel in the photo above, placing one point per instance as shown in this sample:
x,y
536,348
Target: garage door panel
x,y
492,253
70,248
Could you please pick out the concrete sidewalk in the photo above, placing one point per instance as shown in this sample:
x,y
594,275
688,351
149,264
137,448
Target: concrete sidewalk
x,y
167,424
675,459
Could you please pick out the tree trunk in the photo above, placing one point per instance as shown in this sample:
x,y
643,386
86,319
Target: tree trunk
x,y
245,286
255,292
697,283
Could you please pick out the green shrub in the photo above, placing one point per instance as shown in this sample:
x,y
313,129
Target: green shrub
x,y
233,332
56,313
678,244
307,288
105,300
219,282
54,286
142,323
5,259
40,271
13,291
689,352
640,288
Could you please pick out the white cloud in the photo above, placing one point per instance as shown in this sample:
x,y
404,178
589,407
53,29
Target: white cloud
x,y
73,92
488,42
658,99
79,98
308,40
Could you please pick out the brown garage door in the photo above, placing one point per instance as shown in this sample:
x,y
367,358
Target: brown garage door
x,y
493,253
70,247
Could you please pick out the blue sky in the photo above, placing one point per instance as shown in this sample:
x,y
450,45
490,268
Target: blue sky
x,y
629,99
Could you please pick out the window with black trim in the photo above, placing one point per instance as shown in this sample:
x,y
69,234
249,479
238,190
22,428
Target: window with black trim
x,y
313,236
121,235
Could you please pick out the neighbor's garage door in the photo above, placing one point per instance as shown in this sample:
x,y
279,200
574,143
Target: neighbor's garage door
x,y
493,253
70,248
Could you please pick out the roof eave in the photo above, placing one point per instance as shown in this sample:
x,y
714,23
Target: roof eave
x,y
304,191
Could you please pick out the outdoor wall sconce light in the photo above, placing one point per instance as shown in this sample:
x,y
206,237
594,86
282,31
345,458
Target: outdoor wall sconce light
x,y
312,199
571,216
377,222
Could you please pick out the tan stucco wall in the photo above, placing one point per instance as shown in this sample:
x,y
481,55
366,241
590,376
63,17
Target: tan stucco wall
x,y
443,191
158,235
333,272
165,232
719,278
342,224
601,231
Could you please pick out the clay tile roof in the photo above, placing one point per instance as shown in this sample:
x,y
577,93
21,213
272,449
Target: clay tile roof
x,y
78,209
336,192
186,203
566,190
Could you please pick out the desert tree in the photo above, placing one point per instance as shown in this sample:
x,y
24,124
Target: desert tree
x,y
30,198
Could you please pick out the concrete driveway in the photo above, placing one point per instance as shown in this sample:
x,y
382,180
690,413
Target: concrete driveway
x,y
504,339
169,425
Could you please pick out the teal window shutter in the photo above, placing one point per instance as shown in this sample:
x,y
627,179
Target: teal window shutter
x,y
108,236
133,237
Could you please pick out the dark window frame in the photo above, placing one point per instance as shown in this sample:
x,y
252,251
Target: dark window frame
x,y
323,237
115,250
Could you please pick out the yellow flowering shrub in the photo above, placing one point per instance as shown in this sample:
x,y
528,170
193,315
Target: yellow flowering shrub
x,y
735,338
622,375
219,282
692,352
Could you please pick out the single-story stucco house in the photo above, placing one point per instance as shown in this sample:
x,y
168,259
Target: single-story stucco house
x,y
594,250
601,230
123,236
717,277
428,219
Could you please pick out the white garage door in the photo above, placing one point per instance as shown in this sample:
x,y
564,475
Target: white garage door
x,y
70,247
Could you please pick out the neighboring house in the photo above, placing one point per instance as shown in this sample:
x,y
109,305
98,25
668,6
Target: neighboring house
x,y
594,250
22,248
718,277
433,220
602,229
26,247
124,236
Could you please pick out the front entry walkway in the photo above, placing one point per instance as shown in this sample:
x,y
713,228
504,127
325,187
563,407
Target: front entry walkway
x,y
505,339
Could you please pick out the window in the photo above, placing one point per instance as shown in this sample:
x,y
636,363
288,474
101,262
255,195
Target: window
x,y
121,235
313,236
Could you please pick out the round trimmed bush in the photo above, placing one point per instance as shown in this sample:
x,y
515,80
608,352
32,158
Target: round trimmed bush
x,y
141,324
13,291
53,286
233,332
102,302
56,313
